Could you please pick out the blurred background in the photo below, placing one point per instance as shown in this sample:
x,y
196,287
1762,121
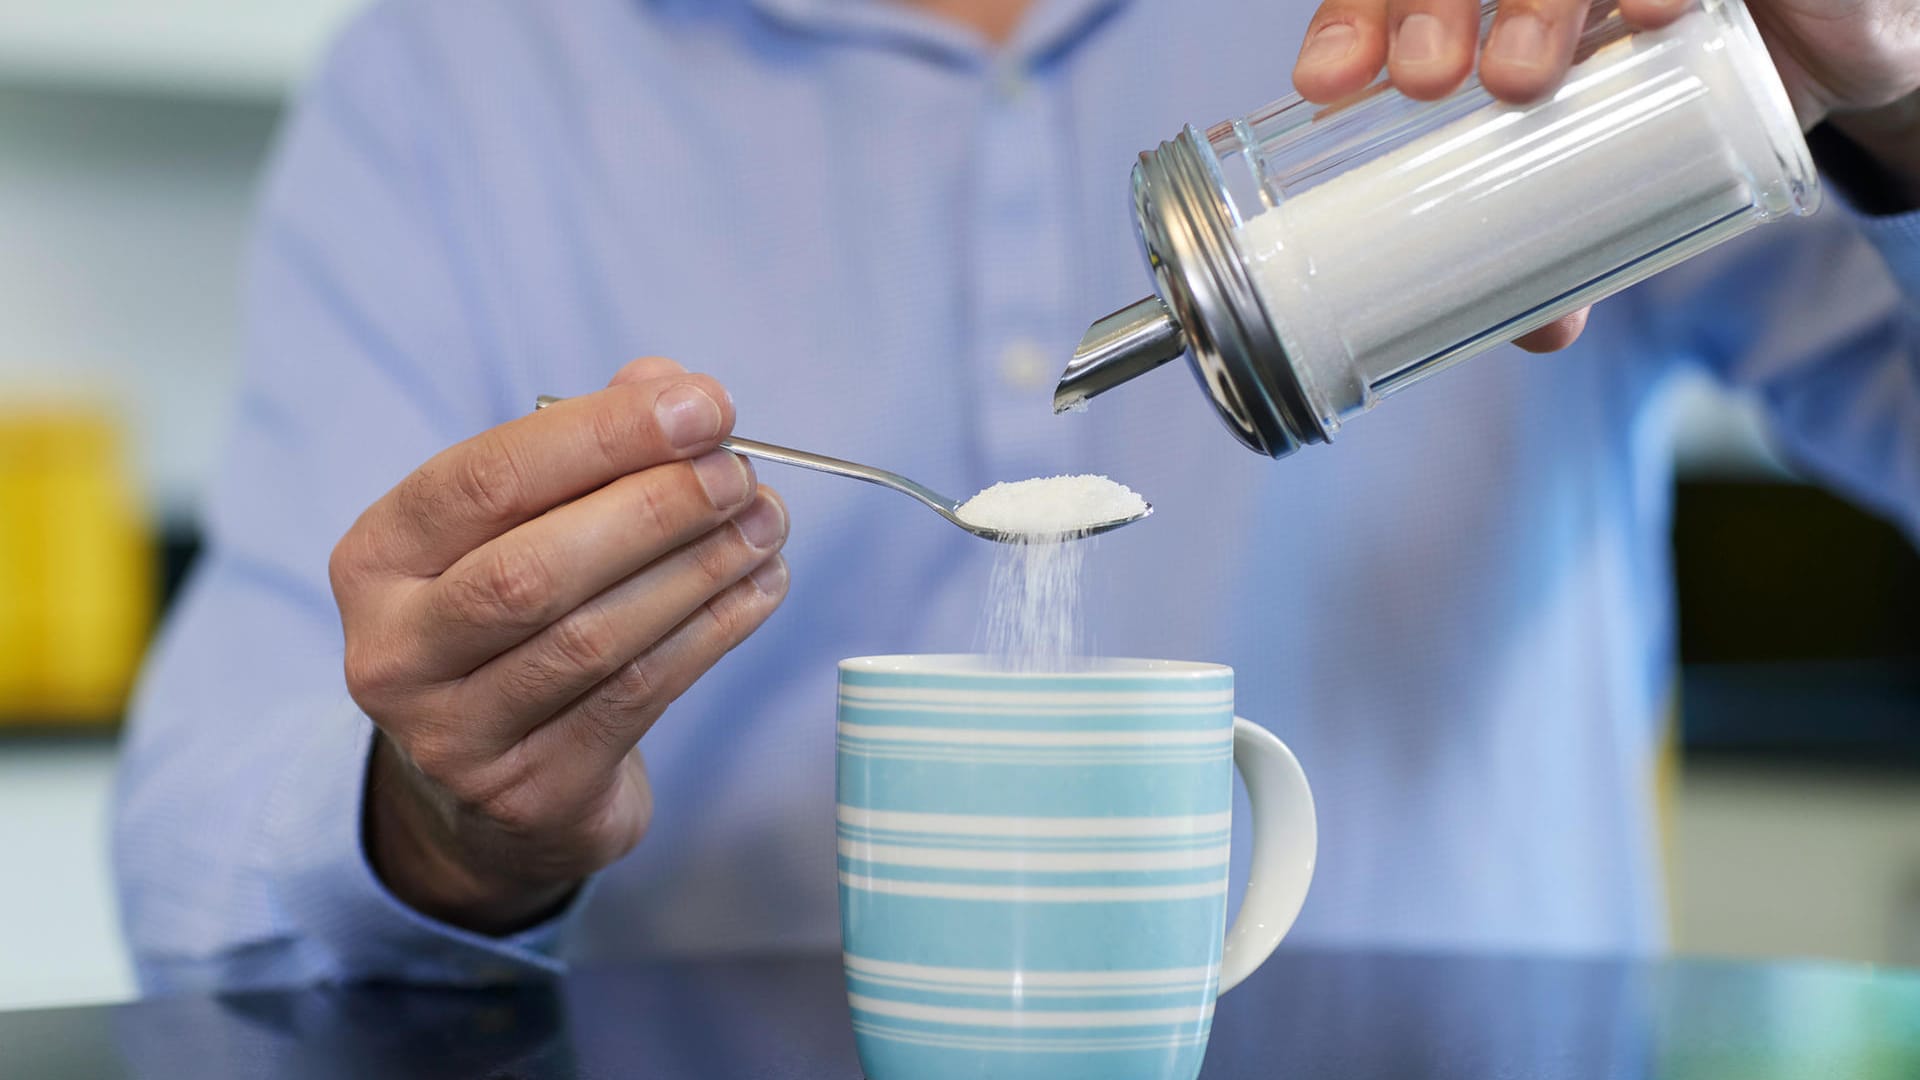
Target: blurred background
x,y
131,133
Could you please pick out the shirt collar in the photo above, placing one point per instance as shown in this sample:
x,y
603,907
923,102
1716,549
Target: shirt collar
x,y
1051,27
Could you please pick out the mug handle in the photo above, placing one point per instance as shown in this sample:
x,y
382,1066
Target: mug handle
x,y
1285,840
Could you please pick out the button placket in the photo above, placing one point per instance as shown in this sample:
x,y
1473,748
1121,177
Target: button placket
x,y
1022,280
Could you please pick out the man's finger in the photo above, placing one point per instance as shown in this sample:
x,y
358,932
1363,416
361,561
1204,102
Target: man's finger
x,y
1344,48
1529,47
544,674
598,731
1556,335
1430,45
479,489
1652,14
647,367
515,585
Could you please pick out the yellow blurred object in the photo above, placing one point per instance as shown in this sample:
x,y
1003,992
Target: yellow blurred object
x,y
77,580
19,594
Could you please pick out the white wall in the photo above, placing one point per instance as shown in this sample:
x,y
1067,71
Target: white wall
x,y
226,48
122,221
59,929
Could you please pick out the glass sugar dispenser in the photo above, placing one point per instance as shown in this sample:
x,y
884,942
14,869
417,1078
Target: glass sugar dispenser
x,y
1315,259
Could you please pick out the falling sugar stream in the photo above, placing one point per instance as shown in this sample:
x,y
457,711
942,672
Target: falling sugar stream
x,y
1034,618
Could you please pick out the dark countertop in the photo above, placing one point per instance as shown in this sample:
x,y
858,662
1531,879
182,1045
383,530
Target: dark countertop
x,y
1304,1015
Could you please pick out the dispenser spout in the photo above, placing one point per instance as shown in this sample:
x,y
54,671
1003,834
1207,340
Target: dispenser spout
x,y
1132,341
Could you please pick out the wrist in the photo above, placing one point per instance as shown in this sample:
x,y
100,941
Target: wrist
x,y
412,841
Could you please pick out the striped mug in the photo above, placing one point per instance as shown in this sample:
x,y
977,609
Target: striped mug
x,y
1033,866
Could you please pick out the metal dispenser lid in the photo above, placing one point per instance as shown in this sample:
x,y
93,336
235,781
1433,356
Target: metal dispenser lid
x,y
1206,305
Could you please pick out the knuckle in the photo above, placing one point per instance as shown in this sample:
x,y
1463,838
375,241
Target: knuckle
x,y
583,642
361,558
526,684
421,498
773,579
342,565
735,613
513,582
611,433
633,686
358,669
371,672
612,718
663,507
716,558
490,480
597,729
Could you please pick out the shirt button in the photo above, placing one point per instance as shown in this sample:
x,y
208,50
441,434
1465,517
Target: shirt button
x,y
1024,365
1009,81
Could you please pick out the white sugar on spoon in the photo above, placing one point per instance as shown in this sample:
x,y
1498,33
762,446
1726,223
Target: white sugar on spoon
x,y
1054,506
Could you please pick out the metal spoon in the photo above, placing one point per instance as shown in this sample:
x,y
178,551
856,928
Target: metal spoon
x,y
933,500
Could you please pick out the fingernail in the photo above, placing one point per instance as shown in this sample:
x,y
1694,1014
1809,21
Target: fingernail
x,y
1332,43
687,416
764,524
1520,40
1418,41
770,576
725,478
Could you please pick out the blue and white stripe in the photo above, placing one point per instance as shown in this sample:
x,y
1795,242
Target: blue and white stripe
x,y
1033,869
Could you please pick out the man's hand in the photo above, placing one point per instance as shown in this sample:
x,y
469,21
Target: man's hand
x,y
520,610
1856,62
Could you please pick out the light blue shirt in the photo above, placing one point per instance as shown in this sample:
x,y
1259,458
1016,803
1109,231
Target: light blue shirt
x,y
885,237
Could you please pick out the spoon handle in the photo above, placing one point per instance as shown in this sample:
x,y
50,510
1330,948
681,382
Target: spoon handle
x,y
822,463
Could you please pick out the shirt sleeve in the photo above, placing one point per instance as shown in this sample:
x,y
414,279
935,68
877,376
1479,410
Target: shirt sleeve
x,y
1819,319
237,815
